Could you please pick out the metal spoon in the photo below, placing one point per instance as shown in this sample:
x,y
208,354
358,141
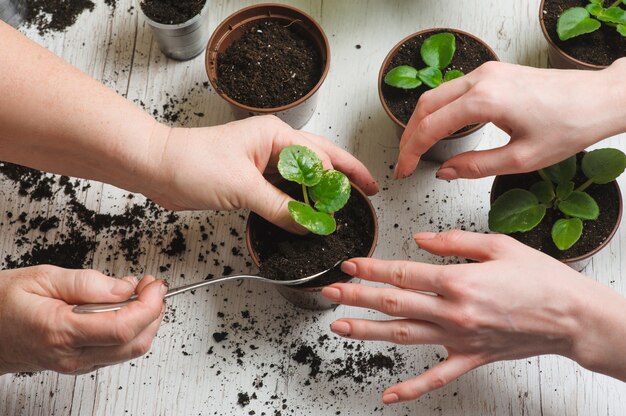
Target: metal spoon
x,y
109,307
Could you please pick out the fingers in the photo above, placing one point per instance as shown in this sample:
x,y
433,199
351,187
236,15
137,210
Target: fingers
x,y
475,246
119,327
433,379
392,302
403,274
401,331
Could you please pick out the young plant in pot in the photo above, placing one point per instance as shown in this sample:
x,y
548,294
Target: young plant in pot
x,y
570,210
269,59
584,34
180,27
339,217
423,61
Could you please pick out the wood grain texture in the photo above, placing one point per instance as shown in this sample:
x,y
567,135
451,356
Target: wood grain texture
x,y
187,372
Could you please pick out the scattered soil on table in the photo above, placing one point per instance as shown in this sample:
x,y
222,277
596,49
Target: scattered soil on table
x,y
602,47
272,65
57,15
172,12
286,256
594,232
470,54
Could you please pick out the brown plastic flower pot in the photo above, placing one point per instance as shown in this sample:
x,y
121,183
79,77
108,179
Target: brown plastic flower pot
x,y
311,297
298,113
454,144
556,57
577,263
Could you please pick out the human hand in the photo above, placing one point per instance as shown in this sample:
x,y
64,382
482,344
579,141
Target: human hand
x,y
39,331
515,303
222,168
550,115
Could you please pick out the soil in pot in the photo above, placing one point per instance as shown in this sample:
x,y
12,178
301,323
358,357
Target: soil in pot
x,y
594,232
602,47
469,55
172,12
270,66
285,256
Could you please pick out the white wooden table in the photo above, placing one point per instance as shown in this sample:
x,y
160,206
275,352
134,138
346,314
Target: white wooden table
x,y
187,372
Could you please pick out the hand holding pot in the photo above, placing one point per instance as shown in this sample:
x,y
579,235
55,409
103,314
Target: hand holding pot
x,y
550,115
514,303
222,167
40,331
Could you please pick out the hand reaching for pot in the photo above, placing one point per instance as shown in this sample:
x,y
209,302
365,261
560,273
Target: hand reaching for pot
x,y
515,302
223,167
550,115
40,331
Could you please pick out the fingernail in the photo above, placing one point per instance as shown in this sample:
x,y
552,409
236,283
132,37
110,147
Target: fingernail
x,y
348,268
446,174
332,293
424,236
395,172
340,328
122,289
163,289
390,398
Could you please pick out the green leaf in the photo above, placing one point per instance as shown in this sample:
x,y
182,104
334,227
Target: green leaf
x,y
404,77
564,190
544,192
566,232
598,2
563,171
516,210
332,192
431,77
580,205
437,51
575,22
594,9
604,165
452,74
613,15
621,29
301,165
319,223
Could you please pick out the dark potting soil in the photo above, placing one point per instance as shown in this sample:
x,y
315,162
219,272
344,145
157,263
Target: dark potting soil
x,y
172,12
285,256
272,65
594,232
602,47
470,54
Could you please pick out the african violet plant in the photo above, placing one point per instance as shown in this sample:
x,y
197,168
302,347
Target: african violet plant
x,y
437,52
520,210
328,190
578,21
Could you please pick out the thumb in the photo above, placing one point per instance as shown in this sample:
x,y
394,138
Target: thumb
x,y
87,286
271,203
479,164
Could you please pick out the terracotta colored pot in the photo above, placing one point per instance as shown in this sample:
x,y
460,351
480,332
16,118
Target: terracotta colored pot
x,y
556,57
311,297
578,263
298,113
454,144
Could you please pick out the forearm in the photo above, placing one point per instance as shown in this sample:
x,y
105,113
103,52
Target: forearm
x,y
615,81
55,118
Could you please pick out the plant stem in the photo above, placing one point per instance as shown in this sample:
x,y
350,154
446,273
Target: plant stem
x,y
617,3
545,178
306,194
584,185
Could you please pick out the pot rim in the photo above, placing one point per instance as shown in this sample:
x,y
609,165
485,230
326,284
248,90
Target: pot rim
x,y
393,52
595,250
255,257
214,42
557,49
184,24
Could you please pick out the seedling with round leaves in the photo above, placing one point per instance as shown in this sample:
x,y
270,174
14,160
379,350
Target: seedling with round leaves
x,y
578,21
324,191
521,210
437,52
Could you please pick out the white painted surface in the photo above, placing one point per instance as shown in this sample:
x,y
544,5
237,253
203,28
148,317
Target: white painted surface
x,y
118,50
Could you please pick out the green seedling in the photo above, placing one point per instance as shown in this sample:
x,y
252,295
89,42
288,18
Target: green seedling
x,y
437,52
324,191
578,21
520,210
